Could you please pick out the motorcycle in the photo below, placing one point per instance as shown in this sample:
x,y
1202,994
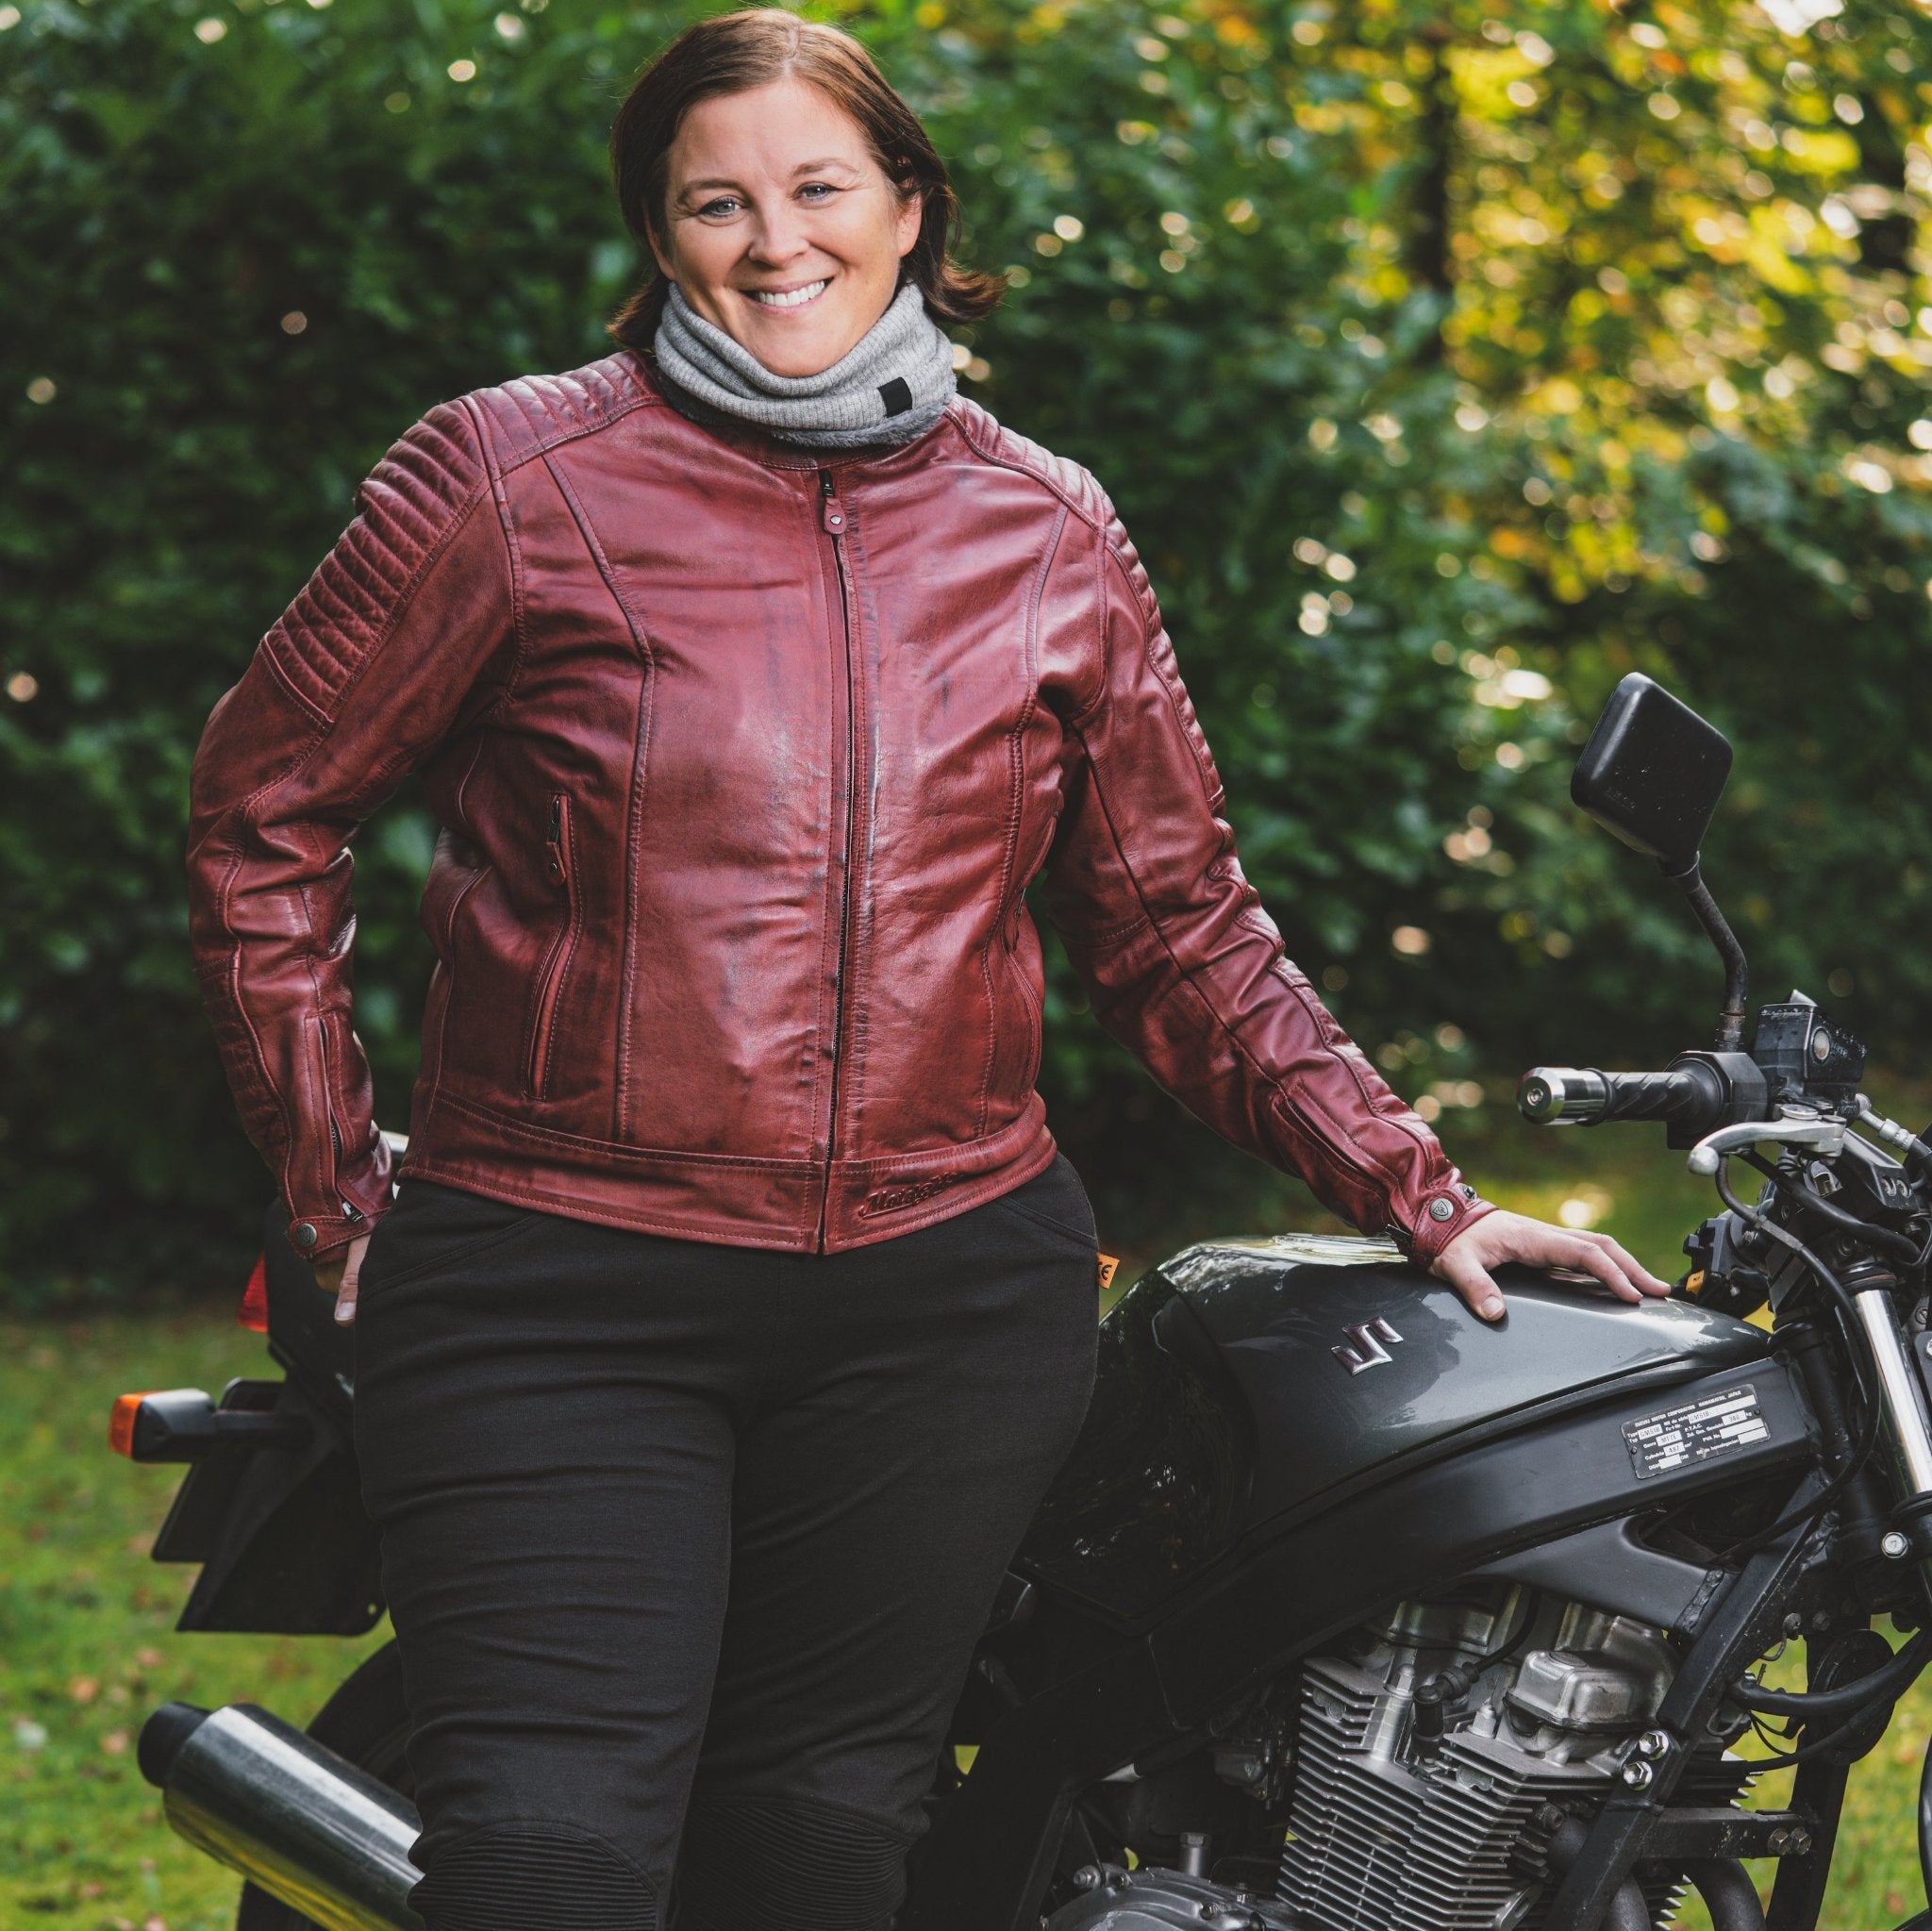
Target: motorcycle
x,y
1346,1613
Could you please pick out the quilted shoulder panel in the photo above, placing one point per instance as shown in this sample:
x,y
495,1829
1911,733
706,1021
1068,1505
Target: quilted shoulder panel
x,y
536,412
407,508
995,443
1122,547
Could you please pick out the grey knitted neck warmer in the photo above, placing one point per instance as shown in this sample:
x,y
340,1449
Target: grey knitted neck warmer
x,y
890,386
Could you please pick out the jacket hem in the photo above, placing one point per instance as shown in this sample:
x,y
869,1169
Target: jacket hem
x,y
743,1202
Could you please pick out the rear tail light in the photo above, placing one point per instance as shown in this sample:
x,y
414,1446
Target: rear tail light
x,y
253,1311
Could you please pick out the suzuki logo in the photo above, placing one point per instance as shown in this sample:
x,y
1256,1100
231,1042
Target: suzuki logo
x,y
1364,1347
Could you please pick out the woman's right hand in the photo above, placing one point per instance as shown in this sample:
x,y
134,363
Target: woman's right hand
x,y
340,1277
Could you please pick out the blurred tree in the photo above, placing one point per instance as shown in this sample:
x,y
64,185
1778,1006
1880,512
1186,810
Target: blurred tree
x,y
1445,366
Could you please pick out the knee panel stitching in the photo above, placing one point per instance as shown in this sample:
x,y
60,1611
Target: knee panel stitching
x,y
756,1861
534,1876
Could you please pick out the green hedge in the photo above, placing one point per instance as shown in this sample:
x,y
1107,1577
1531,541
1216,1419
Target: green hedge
x,y
1444,370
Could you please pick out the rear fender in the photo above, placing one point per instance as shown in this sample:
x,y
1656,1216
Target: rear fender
x,y
285,1544
284,1541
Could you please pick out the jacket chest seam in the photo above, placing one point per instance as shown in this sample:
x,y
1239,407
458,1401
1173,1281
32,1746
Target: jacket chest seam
x,y
1016,810
639,781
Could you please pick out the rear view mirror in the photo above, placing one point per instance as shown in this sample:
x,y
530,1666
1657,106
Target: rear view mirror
x,y
1652,773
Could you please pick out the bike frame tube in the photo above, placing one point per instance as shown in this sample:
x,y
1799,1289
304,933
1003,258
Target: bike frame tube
x,y
1745,1623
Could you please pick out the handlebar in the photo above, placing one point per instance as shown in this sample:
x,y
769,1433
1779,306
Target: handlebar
x,y
1582,1096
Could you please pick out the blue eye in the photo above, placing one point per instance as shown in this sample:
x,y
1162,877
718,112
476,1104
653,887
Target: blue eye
x,y
820,188
718,206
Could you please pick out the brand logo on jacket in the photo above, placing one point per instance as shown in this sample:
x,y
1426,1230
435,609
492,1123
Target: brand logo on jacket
x,y
891,1198
1367,1346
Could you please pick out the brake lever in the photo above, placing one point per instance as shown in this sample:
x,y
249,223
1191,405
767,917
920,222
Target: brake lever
x,y
1819,1131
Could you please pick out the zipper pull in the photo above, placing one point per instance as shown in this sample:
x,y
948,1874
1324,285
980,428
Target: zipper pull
x,y
554,861
832,512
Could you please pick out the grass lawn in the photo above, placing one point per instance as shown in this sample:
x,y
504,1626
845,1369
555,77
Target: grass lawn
x,y
87,1640
87,1628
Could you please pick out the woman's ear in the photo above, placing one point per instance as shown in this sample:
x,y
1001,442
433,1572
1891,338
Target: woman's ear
x,y
909,220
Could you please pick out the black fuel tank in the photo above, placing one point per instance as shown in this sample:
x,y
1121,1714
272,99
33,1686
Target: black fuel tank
x,y
1241,1381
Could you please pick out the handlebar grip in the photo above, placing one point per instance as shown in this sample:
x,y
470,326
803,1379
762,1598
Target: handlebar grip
x,y
1567,1096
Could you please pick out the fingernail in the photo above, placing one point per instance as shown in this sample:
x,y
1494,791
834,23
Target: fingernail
x,y
345,1313
1491,1309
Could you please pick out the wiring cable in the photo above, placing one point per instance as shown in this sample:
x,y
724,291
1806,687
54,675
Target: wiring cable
x,y
1816,1746
1899,1246
1868,1437
1889,1680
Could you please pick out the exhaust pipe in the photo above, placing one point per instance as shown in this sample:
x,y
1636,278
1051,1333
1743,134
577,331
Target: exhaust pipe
x,y
293,1818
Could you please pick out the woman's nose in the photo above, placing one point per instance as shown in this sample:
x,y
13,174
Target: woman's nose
x,y
778,236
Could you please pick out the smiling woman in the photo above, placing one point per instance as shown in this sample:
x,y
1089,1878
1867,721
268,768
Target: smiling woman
x,y
735,1309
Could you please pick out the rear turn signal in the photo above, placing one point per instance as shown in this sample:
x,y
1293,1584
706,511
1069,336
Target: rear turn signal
x,y
187,1425
120,1423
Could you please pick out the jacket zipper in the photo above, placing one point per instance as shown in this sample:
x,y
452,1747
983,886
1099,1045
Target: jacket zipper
x,y
556,868
351,1213
832,520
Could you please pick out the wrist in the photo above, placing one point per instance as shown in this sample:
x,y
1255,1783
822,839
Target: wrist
x,y
1443,1214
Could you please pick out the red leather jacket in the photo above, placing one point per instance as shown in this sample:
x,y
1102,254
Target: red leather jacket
x,y
744,758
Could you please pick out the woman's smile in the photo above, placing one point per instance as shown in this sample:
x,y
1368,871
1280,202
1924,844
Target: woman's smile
x,y
792,297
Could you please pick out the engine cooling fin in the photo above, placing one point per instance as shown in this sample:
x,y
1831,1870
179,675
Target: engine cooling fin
x,y
1375,1845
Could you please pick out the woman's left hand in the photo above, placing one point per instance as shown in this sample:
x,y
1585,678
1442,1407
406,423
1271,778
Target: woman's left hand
x,y
1466,1261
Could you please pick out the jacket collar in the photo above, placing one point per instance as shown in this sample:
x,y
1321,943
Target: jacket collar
x,y
769,452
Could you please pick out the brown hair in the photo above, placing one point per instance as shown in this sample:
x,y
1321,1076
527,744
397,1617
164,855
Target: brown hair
x,y
732,53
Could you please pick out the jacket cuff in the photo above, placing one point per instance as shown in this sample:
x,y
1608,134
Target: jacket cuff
x,y
316,1238
1441,1215
325,1237
368,1191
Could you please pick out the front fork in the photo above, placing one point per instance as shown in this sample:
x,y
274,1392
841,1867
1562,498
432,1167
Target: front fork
x,y
1902,1396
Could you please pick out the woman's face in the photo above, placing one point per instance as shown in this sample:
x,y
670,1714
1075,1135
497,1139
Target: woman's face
x,y
780,227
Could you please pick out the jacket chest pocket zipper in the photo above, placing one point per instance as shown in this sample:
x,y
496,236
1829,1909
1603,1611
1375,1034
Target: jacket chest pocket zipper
x,y
561,870
1036,1021
1009,945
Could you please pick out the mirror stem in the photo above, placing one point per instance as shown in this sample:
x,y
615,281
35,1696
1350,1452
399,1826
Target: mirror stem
x,y
1730,1021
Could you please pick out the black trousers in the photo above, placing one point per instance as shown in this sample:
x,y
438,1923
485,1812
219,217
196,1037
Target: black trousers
x,y
687,1545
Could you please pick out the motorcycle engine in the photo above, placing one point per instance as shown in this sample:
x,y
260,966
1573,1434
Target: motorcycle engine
x,y
1423,1751
1165,1901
